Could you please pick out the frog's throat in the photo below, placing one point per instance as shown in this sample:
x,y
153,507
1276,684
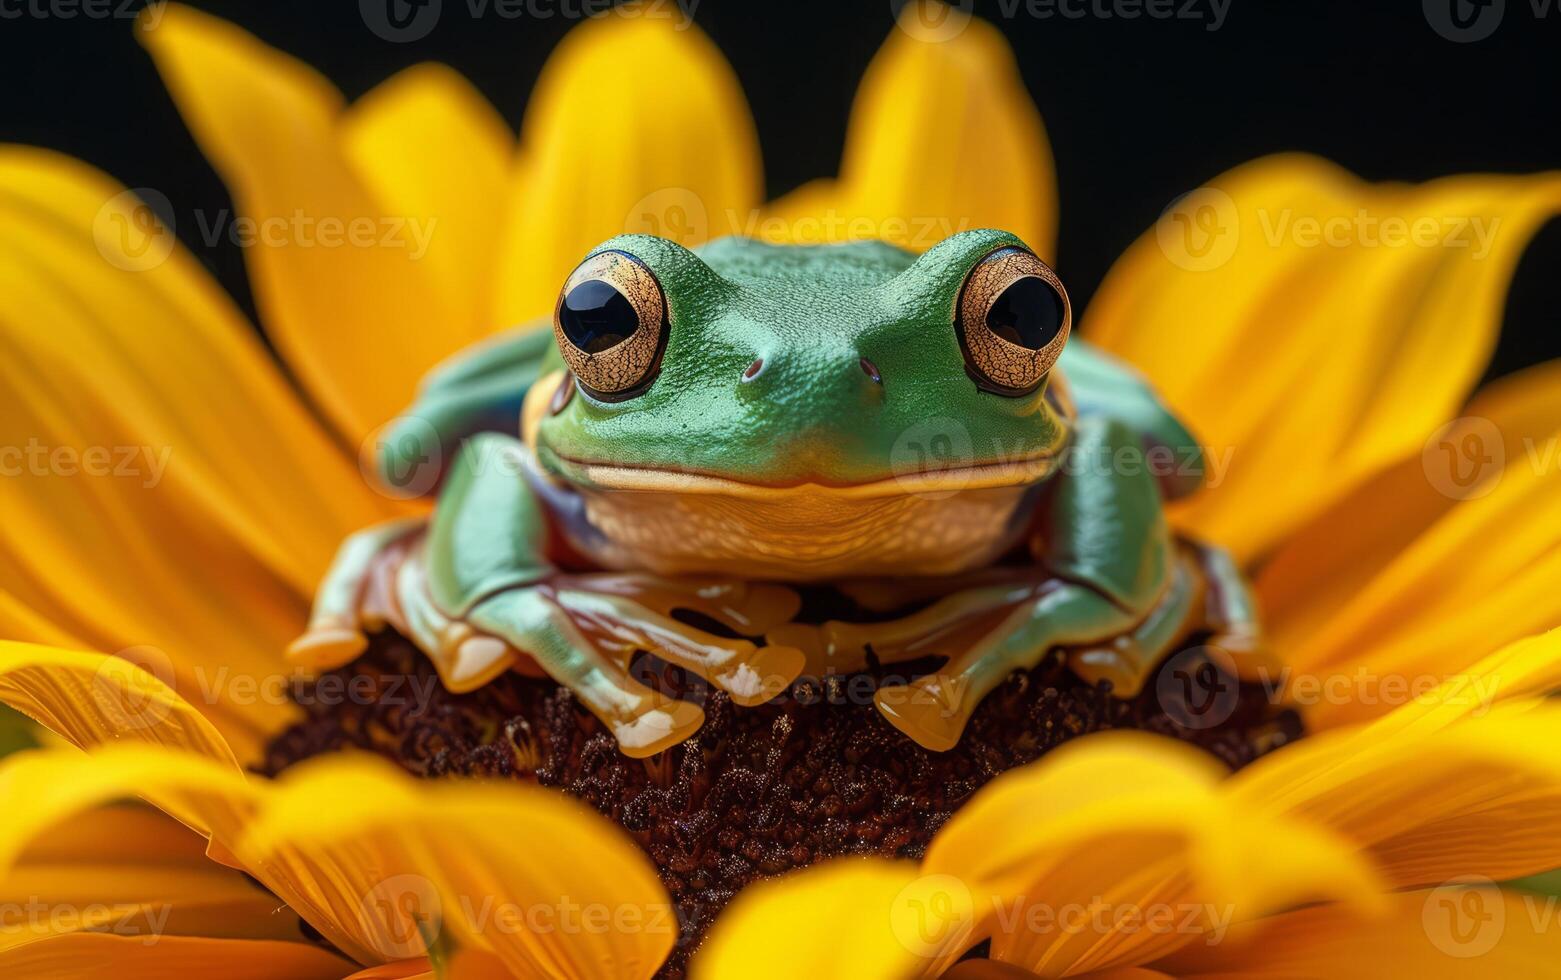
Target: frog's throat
x,y
807,533
676,522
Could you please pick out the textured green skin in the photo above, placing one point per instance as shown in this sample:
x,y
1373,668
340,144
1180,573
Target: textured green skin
x,y
812,415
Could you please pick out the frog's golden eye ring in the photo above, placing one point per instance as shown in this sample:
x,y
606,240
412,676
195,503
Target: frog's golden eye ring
x,y
1014,319
611,325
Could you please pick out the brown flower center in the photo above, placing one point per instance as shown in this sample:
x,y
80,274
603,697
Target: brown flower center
x,y
758,791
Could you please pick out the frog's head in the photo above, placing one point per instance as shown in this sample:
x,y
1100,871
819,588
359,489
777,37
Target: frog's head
x,y
789,400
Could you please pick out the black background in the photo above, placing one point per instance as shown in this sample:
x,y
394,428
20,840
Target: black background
x,y
1138,110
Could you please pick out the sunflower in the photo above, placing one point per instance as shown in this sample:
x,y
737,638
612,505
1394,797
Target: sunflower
x,y
172,496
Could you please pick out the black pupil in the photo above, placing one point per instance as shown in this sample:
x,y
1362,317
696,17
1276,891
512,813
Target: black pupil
x,y
595,316
1028,313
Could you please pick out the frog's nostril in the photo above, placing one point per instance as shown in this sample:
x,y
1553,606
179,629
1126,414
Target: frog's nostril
x,y
871,370
753,370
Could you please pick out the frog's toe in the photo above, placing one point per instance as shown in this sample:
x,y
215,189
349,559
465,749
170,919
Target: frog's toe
x,y
468,658
329,642
931,711
761,675
662,726
750,673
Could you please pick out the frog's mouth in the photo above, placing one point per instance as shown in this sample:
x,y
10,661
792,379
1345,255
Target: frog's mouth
x,y
596,475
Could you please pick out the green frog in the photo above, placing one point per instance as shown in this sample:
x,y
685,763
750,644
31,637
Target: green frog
x,y
756,461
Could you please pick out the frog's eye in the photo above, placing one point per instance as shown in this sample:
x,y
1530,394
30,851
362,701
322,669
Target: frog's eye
x,y
1013,321
611,325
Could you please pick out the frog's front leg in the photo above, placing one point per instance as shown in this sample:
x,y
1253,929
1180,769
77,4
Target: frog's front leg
x,y
1106,563
476,592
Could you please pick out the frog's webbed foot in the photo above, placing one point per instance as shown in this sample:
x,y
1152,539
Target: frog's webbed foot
x,y
351,597
584,632
473,588
984,633
1109,586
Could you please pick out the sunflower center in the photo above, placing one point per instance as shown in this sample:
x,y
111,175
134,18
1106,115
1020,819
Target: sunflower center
x,y
757,791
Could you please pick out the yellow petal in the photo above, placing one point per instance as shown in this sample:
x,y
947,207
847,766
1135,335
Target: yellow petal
x,y
92,699
464,964
337,274
1457,931
151,869
538,880
1446,575
943,138
165,487
1428,802
849,919
1131,825
204,794
88,954
381,864
59,785
1314,576
1312,327
637,124
426,143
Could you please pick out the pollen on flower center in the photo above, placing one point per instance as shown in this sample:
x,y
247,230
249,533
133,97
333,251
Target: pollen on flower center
x,y
758,791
